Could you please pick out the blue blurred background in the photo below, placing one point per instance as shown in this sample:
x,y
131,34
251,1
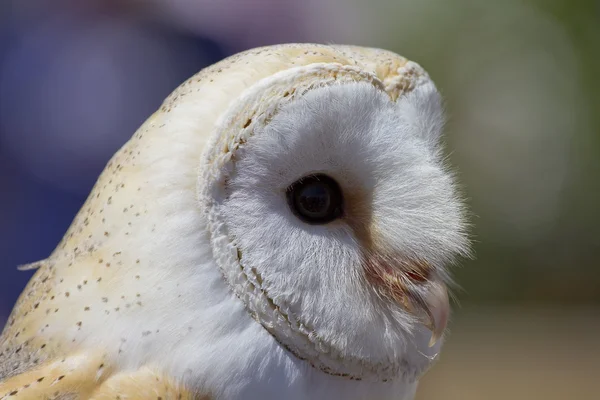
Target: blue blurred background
x,y
521,83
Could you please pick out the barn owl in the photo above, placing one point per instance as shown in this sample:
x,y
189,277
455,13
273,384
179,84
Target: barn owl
x,y
281,228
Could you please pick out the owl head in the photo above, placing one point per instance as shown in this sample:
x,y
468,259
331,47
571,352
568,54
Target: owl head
x,y
288,206
333,217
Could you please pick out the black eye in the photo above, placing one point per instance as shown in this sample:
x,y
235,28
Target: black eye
x,y
315,199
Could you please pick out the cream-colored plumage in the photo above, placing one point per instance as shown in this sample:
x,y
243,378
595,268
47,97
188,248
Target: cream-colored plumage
x,y
112,311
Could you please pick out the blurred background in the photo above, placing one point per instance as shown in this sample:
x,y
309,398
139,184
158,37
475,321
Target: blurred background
x,y
523,95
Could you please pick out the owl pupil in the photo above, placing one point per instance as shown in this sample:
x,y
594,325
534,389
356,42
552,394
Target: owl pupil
x,y
315,199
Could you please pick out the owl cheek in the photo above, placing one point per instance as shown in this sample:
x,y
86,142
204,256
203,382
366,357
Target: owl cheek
x,y
409,284
387,280
394,277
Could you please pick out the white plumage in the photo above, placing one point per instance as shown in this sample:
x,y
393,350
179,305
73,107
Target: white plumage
x,y
191,265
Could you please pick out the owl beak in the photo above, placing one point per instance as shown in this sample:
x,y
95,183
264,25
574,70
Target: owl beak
x,y
437,309
421,294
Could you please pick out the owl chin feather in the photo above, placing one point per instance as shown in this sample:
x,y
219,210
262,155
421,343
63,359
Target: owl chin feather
x,y
188,272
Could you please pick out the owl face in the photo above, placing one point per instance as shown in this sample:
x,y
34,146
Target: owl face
x,y
333,219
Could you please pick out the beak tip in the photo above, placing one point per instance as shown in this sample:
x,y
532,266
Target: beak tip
x,y
438,306
435,337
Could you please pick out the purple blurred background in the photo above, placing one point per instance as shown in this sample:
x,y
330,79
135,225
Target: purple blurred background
x,y
77,78
75,82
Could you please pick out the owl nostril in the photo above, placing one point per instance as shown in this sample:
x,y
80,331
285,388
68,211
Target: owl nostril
x,y
415,276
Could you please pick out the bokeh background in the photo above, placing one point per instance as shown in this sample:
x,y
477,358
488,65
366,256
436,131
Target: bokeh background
x,y
523,94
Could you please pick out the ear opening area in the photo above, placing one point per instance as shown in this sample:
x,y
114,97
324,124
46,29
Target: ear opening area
x,y
423,112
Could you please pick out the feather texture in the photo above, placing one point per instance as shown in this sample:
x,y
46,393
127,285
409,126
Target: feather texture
x,y
185,274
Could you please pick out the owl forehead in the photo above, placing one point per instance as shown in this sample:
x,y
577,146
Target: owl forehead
x,y
352,132
357,135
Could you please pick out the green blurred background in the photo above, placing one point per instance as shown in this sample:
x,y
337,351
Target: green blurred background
x,y
521,84
520,79
523,96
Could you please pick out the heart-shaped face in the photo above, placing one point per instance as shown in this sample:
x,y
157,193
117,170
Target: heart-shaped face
x,y
334,219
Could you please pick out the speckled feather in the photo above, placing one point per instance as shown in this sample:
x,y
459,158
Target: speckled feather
x,y
105,269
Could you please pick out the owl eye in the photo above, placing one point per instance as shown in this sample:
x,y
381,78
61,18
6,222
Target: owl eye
x,y
315,199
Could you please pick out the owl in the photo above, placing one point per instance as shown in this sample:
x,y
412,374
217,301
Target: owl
x,y
281,228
